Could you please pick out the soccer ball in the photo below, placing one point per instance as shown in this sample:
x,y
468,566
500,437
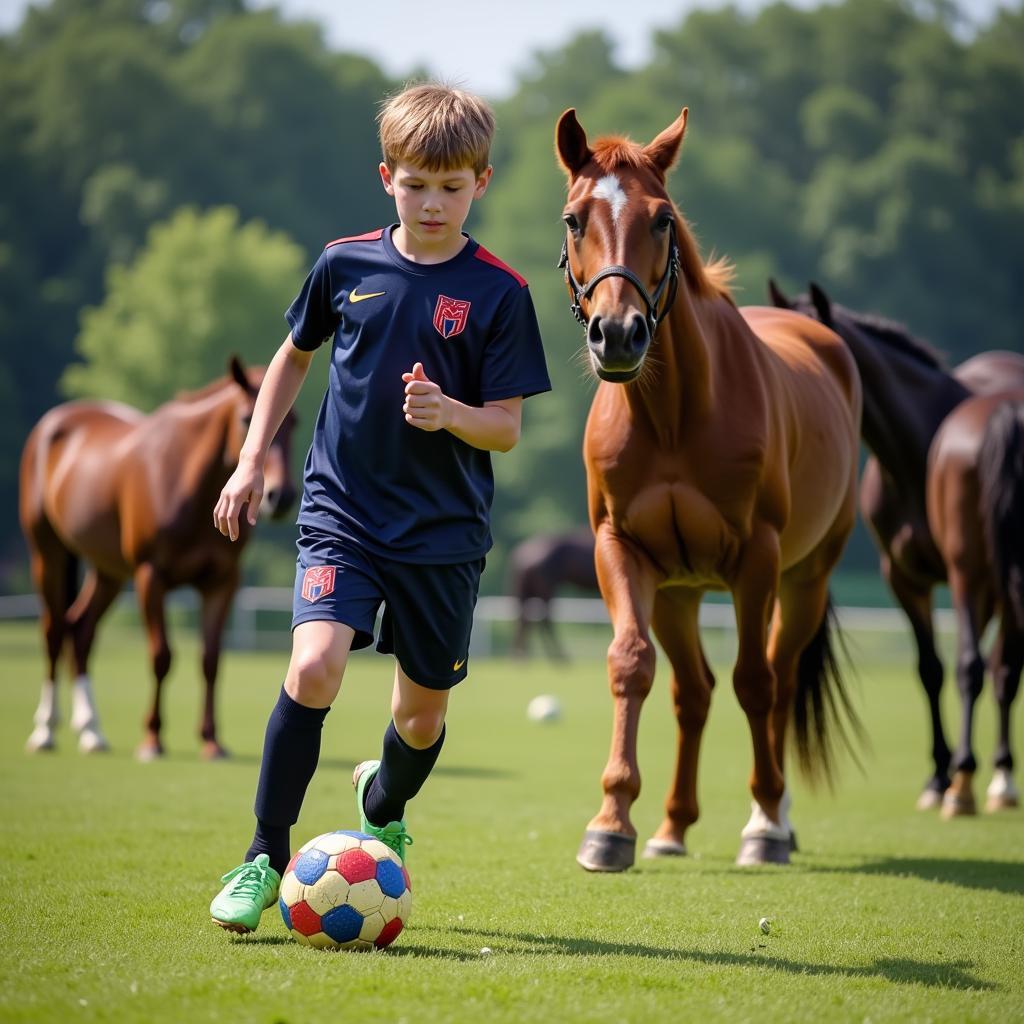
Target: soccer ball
x,y
345,890
544,708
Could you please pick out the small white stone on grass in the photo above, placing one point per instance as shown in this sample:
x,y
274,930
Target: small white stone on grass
x,y
485,951
765,925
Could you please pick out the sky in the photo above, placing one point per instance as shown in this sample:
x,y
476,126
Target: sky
x,y
483,46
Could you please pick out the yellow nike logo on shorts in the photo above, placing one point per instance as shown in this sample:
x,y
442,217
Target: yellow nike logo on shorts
x,y
354,296
458,665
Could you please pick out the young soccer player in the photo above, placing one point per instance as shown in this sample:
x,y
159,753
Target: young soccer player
x,y
435,346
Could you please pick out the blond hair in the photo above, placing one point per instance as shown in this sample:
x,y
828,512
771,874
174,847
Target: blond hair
x,y
436,127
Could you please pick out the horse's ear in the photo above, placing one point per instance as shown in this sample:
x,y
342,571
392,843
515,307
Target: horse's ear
x,y
665,148
238,373
822,303
778,296
571,143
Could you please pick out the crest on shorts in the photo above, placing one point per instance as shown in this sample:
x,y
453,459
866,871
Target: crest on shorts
x,y
317,582
450,316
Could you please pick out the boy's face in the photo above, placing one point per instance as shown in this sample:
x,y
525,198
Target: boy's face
x,y
433,205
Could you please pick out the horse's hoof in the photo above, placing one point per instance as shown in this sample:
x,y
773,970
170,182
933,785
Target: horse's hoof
x,y
40,741
764,850
996,802
213,751
656,847
92,742
606,851
148,751
929,800
1002,793
957,805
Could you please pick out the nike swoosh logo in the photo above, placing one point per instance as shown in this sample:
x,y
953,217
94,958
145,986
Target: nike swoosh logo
x,y
354,296
458,665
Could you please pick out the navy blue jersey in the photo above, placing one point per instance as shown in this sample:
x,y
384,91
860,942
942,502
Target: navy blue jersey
x,y
408,494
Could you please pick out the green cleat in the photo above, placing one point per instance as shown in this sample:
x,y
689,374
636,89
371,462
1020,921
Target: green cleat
x,y
251,888
393,834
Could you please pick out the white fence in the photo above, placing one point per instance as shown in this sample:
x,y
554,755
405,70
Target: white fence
x,y
245,632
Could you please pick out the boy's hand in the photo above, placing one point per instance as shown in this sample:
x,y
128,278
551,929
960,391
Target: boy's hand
x,y
244,485
426,407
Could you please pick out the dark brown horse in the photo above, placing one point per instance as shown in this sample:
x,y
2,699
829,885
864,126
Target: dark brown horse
x,y
131,495
539,567
721,453
911,401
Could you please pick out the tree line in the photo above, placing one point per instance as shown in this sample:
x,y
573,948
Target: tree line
x,y
168,171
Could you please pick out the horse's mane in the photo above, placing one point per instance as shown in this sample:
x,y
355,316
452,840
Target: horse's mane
x,y
712,279
204,392
899,337
216,385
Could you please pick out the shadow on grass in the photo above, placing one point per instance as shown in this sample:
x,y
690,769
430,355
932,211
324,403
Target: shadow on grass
x,y
898,970
969,873
993,875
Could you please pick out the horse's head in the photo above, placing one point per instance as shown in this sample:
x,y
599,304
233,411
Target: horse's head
x,y
815,304
621,251
278,490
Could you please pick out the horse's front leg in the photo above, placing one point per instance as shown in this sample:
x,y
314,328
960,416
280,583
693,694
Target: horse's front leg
x,y
216,608
628,584
766,838
916,601
677,628
151,591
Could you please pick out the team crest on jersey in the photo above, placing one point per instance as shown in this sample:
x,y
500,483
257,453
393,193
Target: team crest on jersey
x,y
317,582
450,316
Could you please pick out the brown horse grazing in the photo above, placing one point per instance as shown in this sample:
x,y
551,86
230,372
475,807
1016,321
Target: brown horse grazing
x,y
721,453
131,495
539,566
909,396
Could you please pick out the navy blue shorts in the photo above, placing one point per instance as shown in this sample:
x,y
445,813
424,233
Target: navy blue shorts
x,y
428,609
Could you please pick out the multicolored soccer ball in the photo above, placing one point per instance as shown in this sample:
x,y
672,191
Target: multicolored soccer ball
x,y
345,890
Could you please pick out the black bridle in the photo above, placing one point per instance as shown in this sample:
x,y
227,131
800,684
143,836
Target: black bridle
x,y
669,280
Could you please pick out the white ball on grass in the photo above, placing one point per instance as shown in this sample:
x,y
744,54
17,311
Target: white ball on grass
x,y
544,708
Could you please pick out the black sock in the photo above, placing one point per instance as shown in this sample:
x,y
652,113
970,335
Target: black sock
x,y
403,770
291,749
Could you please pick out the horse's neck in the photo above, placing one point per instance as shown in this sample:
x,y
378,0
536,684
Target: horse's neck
x,y
676,385
198,430
905,400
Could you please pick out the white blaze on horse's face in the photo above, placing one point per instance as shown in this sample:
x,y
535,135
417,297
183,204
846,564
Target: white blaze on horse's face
x,y
610,189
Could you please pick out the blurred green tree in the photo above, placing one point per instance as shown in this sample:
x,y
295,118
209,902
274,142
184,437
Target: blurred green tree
x,y
203,287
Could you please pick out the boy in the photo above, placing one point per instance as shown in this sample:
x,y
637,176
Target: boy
x,y
435,346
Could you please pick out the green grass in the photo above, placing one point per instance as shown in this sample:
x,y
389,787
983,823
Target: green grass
x,y
109,866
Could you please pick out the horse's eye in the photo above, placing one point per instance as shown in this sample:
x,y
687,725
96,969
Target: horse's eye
x,y
571,223
663,221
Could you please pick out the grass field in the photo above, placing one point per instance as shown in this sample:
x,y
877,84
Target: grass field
x,y
108,866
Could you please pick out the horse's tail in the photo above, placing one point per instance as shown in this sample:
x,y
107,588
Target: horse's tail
x,y
1001,479
822,710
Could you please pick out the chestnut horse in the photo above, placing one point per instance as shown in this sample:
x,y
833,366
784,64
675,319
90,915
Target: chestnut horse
x,y
926,432
539,567
131,495
721,454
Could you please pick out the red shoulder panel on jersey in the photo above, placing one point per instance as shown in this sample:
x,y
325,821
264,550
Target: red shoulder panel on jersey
x,y
489,257
370,236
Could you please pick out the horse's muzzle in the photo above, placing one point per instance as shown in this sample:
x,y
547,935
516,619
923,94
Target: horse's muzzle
x,y
278,500
618,347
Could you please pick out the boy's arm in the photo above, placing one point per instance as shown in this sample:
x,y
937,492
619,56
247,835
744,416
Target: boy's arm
x,y
494,427
281,384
